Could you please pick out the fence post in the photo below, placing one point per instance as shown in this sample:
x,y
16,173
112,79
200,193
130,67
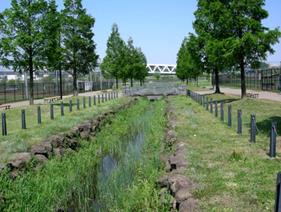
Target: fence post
x,y
4,124
95,102
39,119
239,121
117,95
102,98
272,146
78,104
52,111
253,129
229,121
211,106
222,112
90,101
98,99
84,102
207,104
216,108
70,105
23,119
277,195
62,109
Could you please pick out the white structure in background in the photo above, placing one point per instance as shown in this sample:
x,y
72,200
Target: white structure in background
x,y
161,69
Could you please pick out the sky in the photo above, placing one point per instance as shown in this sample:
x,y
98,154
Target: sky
x,y
157,26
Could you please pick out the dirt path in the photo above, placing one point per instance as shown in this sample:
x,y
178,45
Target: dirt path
x,y
236,92
41,101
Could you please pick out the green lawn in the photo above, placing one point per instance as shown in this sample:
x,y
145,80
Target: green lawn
x,y
20,140
231,173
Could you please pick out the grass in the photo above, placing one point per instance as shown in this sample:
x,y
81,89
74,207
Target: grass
x,y
231,173
71,181
20,140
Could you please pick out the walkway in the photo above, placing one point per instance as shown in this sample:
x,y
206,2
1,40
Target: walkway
x,y
41,101
237,92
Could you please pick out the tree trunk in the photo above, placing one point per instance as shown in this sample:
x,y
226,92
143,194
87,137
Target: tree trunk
x,y
116,81
75,90
217,81
31,94
132,83
243,82
187,81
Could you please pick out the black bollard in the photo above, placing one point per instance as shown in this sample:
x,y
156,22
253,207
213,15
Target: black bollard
x,y
222,112
98,99
207,104
102,98
84,102
211,106
216,108
23,120
70,105
278,195
52,111
239,122
4,124
90,101
229,120
39,117
253,129
78,104
61,109
95,102
272,146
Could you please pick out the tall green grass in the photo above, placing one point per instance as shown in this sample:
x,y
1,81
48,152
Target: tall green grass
x,y
71,181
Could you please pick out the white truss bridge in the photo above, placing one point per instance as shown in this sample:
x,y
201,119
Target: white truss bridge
x,y
161,69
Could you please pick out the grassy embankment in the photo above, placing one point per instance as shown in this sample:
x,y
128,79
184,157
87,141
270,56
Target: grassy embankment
x,y
71,181
20,140
231,173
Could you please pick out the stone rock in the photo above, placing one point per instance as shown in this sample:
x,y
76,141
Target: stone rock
x,y
178,182
57,141
40,159
44,148
189,205
73,133
182,195
177,161
72,144
58,152
20,160
163,181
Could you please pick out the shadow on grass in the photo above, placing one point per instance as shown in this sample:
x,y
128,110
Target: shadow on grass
x,y
264,126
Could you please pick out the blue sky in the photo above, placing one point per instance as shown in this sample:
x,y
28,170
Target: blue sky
x,y
157,26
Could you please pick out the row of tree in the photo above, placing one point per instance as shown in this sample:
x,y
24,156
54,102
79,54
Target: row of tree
x,y
123,60
35,36
229,34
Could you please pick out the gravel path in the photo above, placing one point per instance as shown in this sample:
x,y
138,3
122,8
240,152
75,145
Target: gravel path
x,y
41,101
237,92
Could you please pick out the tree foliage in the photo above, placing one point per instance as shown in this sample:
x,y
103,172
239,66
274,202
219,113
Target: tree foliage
x,y
22,37
188,59
123,61
79,55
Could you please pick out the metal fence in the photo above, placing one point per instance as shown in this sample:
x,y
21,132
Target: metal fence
x,y
267,79
16,91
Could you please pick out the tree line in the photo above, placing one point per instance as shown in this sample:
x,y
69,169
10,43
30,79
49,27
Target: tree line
x,y
123,60
35,36
229,34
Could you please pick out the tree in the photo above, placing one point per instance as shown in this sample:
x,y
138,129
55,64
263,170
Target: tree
x,y
188,59
140,66
113,63
53,49
79,55
211,25
249,40
22,38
